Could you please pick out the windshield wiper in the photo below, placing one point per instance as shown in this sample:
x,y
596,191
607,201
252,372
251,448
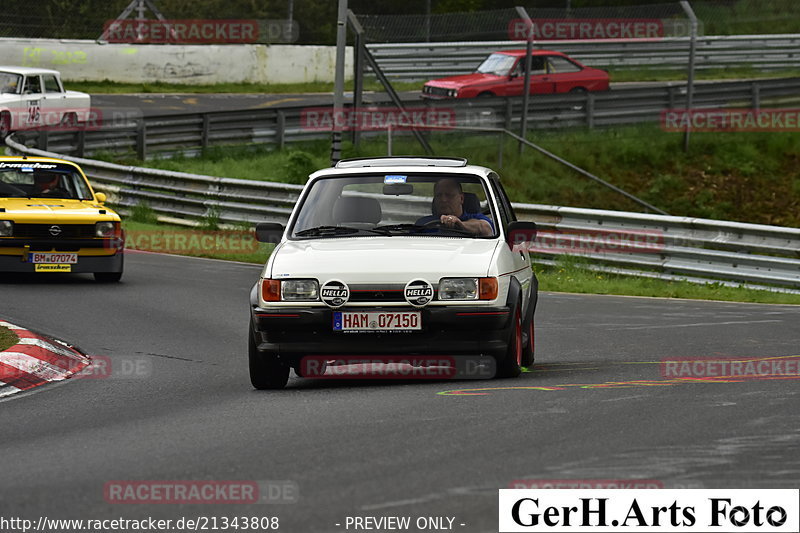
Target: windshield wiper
x,y
335,230
401,227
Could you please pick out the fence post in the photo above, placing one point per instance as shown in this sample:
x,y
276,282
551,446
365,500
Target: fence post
x,y
80,147
526,91
141,140
509,111
690,78
756,90
41,142
500,138
358,69
590,110
280,129
205,132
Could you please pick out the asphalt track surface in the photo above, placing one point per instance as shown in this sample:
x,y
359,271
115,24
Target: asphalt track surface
x,y
595,408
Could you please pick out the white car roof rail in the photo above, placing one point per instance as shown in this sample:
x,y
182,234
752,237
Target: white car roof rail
x,y
398,161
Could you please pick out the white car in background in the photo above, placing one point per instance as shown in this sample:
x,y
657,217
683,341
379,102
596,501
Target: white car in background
x,y
35,97
395,256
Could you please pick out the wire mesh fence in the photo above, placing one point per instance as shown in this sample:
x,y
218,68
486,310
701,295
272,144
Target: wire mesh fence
x,y
609,22
385,21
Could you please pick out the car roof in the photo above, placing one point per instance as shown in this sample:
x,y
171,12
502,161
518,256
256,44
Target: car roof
x,y
15,159
27,70
406,164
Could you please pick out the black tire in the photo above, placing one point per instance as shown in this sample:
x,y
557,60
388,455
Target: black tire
x,y
107,277
265,372
509,366
578,91
5,125
528,351
486,94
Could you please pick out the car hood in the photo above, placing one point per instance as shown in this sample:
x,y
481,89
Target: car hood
x,y
458,82
47,210
397,259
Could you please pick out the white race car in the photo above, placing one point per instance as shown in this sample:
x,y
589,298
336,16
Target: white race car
x,y
395,256
35,98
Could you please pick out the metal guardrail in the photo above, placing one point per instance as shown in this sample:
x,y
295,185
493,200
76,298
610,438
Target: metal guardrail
x,y
423,61
700,250
189,133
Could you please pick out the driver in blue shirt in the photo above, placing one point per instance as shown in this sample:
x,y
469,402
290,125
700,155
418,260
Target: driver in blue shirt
x,y
448,204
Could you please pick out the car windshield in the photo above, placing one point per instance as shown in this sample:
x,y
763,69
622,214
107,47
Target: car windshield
x,y
9,82
30,179
393,204
497,64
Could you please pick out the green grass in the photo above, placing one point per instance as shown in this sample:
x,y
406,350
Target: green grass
x,y
622,75
7,338
748,177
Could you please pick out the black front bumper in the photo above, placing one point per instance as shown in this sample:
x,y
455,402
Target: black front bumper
x,y
291,333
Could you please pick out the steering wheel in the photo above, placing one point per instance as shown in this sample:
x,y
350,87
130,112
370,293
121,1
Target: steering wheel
x,y
438,224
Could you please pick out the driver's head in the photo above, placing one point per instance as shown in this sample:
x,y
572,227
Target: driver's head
x,y
448,197
45,180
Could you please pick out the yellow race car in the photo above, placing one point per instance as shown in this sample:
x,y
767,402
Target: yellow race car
x,y
51,220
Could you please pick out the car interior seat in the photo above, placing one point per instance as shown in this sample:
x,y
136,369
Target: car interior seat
x,y
349,209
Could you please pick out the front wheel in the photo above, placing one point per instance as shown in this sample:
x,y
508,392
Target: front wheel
x,y
510,365
265,372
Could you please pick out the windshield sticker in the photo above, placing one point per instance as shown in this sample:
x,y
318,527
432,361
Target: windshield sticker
x,y
27,166
394,178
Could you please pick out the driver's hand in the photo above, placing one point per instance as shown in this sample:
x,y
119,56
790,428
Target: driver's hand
x,y
452,221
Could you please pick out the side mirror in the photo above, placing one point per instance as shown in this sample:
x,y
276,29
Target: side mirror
x,y
269,232
520,236
100,197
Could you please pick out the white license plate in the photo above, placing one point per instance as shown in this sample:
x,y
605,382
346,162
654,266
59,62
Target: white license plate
x,y
54,258
377,320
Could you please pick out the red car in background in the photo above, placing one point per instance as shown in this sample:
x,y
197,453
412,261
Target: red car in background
x,y
502,74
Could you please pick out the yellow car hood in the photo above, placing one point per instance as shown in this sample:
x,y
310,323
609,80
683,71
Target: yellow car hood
x,y
48,210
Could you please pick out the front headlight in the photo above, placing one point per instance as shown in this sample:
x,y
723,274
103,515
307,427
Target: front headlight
x,y
294,290
458,289
6,228
104,229
468,289
452,93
